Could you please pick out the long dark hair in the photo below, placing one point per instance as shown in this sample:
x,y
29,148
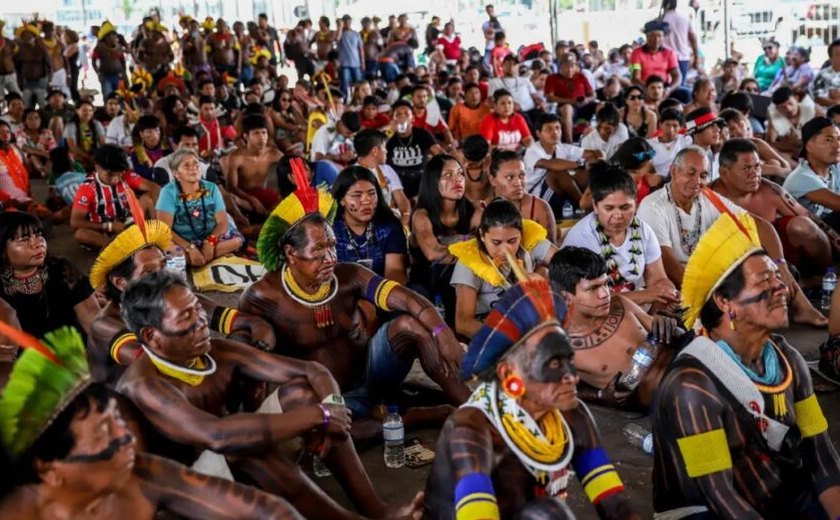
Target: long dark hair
x,y
75,120
16,224
608,178
350,176
633,153
429,197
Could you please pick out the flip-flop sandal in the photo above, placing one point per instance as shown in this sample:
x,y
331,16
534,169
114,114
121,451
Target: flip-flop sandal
x,y
417,455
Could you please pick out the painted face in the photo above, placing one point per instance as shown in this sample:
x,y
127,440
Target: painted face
x,y
184,333
615,212
27,250
763,302
189,170
500,239
451,183
103,450
509,181
691,177
745,174
592,297
316,260
504,106
551,133
360,201
549,371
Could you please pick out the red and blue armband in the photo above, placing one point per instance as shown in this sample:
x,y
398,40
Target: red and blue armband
x,y
223,319
597,474
378,290
475,498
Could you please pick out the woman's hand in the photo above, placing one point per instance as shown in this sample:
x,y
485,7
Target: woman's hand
x,y
195,257
208,251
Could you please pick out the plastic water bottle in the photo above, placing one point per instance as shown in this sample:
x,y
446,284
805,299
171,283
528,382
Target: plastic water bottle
x,y
643,358
319,468
170,263
179,262
639,437
568,211
829,282
394,435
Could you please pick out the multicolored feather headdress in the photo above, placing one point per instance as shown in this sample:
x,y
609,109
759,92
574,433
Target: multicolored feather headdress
x,y
44,380
721,249
290,211
139,236
525,308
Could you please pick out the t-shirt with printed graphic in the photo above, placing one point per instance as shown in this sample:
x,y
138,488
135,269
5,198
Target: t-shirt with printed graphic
x,y
505,136
408,157
105,203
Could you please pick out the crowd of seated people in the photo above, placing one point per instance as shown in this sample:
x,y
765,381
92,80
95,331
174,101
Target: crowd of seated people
x,y
522,226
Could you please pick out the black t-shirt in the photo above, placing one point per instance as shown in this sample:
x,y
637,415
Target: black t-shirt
x,y
53,307
408,157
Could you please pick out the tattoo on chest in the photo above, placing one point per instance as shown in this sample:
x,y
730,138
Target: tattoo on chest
x,y
602,333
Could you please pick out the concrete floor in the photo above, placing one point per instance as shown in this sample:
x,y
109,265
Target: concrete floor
x,y
400,485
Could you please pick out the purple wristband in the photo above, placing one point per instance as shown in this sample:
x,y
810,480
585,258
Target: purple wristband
x,y
437,330
327,416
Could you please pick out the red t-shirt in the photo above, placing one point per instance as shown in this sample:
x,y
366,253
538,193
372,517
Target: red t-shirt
x,y
505,136
451,49
654,63
571,88
420,122
98,201
377,122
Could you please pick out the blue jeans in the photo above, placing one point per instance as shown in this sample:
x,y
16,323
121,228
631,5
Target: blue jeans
x,y
109,83
384,373
36,88
388,71
349,76
683,69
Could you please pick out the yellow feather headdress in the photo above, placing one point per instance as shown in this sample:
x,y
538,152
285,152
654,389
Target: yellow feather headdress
x,y
721,249
106,29
124,246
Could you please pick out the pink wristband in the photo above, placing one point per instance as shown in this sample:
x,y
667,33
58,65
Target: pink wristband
x,y
437,330
327,417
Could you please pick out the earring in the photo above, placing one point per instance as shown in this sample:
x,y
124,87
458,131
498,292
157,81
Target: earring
x,y
731,320
514,386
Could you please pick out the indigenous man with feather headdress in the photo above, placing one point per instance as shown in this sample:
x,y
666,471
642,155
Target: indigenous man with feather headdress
x,y
73,456
738,431
312,302
523,428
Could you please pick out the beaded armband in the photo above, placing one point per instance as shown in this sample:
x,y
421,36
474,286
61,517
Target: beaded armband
x,y
223,319
121,340
597,474
378,290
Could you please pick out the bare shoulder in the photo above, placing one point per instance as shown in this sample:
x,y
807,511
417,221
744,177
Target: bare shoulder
x,y
20,503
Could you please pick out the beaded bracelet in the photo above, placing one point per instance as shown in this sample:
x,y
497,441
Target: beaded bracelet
x,y
437,330
327,417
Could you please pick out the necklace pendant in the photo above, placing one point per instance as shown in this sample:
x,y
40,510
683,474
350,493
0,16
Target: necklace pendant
x,y
323,316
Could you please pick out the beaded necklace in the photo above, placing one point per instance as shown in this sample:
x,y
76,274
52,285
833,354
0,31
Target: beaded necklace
x,y
610,254
318,302
31,284
192,375
688,237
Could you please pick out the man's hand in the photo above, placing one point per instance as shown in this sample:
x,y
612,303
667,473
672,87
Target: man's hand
x,y
117,227
340,421
451,353
664,328
208,251
258,207
612,394
195,257
262,334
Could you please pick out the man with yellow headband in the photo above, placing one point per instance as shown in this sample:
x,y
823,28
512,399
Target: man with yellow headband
x,y
312,301
523,429
136,252
738,431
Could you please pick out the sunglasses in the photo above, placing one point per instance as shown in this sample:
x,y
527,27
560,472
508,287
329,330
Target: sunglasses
x,y
644,156
634,98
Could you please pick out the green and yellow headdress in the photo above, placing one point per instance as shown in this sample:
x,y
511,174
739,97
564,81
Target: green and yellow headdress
x,y
469,252
290,211
134,238
721,249
44,380
106,29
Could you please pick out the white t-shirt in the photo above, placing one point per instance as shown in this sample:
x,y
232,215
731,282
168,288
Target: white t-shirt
x,y
665,152
584,234
520,88
392,182
657,211
593,141
117,133
534,175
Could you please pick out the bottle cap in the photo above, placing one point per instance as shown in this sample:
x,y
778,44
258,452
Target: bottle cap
x,y
392,408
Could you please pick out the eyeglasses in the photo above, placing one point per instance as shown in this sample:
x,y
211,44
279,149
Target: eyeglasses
x,y
634,98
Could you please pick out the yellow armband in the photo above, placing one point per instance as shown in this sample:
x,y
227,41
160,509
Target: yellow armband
x,y
809,417
705,453
119,342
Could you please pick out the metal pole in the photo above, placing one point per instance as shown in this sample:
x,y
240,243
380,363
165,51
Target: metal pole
x,y
84,16
726,29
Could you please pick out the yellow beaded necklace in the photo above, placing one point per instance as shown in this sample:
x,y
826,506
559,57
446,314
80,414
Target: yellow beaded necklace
x,y
547,451
298,291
